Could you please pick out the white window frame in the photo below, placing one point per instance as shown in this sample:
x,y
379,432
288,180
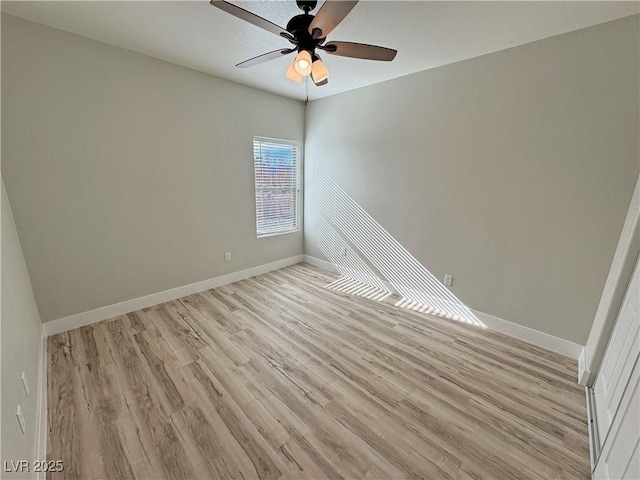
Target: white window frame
x,y
297,189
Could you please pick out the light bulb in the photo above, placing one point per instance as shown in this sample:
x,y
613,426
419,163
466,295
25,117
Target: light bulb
x,y
302,63
291,73
319,71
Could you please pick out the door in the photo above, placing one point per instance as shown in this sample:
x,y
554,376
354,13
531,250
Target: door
x,y
620,457
619,357
617,392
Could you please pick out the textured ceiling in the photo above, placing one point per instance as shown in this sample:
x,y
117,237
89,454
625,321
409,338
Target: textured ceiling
x,y
426,34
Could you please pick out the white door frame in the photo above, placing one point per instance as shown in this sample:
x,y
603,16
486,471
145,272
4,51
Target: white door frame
x,y
615,287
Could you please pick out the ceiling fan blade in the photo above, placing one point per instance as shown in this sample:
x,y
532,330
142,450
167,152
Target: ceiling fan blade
x,y
265,57
252,18
330,15
360,50
320,84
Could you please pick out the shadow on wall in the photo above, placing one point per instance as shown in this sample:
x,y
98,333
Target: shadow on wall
x,y
372,263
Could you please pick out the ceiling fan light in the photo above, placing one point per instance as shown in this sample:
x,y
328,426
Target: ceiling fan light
x,y
319,71
291,73
302,63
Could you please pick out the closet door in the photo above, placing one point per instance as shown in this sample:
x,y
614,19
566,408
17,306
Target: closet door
x,y
617,392
620,457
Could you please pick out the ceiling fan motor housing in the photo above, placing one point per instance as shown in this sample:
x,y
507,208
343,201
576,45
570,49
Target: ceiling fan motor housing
x,y
298,26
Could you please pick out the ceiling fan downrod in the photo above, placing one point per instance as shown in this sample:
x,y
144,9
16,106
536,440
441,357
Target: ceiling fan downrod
x,y
306,5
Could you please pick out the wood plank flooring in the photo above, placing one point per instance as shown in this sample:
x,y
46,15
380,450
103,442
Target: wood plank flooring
x,y
278,377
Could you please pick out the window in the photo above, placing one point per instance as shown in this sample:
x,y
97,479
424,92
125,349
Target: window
x,y
277,171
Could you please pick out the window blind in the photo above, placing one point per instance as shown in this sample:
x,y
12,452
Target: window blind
x,y
277,166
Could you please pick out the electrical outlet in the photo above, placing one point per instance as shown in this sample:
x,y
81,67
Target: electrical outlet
x,y
25,384
448,280
227,256
21,421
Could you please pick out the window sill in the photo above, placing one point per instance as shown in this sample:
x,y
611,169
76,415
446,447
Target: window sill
x,y
274,234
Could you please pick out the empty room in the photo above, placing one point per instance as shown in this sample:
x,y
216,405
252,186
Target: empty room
x,y
320,239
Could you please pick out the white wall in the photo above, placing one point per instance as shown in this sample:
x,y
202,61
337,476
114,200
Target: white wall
x,y
512,171
21,349
129,175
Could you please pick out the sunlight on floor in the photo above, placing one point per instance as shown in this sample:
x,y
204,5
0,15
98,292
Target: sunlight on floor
x,y
422,308
354,287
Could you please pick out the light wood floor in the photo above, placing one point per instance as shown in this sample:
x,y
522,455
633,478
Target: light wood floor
x,y
278,377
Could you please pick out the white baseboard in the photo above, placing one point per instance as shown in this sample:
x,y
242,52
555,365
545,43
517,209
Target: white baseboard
x,y
583,373
529,335
86,318
544,340
318,262
41,420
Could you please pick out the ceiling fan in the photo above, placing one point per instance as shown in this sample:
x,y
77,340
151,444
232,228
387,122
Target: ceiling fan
x,y
308,33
